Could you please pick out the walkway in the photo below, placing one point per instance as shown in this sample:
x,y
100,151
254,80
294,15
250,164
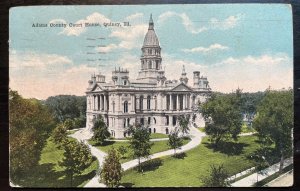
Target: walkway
x,y
126,140
252,179
284,180
196,137
84,135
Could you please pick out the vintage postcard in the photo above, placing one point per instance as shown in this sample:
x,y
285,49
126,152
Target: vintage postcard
x,y
193,95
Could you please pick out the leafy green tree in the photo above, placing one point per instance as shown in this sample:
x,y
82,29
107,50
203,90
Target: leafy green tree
x,y
59,135
100,131
79,122
111,172
122,150
67,106
223,116
217,177
77,157
140,143
69,124
184,123
30,124
175,141
275,120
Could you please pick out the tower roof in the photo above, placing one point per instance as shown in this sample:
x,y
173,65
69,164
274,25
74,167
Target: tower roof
x,y
151,38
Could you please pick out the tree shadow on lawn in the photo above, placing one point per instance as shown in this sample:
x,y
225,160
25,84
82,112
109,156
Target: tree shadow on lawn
x,y
127,184
44,175
150,165
105,143
179,155
228,148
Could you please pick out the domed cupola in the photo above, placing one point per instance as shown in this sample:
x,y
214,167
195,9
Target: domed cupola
x,y
151,38
151,56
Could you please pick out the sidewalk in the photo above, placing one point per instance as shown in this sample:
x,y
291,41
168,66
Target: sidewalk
x,y
196,137
84,135
252,179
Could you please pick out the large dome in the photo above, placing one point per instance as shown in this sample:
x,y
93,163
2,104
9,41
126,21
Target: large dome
x,y
151,38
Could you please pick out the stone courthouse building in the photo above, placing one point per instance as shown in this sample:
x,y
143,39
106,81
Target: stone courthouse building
x,y
151,99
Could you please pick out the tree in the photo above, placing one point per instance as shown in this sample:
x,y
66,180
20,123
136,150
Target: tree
x,y
111,172
175,141
77,157
140,143
100,131
30,124
217,177
275,120
184,123
223,116
67,106
69,124
59,135
260,159
122,150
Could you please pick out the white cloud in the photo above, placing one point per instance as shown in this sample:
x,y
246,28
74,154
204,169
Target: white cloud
x,y
130,37
252,73
20,60
76,31
206,50
55,74
187,23
134,17
107,48
229,22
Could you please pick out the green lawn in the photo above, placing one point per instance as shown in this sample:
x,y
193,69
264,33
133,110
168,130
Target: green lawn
x,y
158,136
157,146
186,171
246,129
49,174
201,129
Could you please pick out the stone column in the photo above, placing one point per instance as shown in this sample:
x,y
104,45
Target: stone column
x,y
101,105
119,102
184,101
171,102
132,102
178,102
145,103
93,102
105,103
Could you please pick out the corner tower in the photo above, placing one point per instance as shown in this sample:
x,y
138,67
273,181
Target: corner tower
x,y
151,56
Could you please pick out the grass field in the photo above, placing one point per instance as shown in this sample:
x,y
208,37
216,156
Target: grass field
x,y
175,172
158,136
157,146
49,174
246,129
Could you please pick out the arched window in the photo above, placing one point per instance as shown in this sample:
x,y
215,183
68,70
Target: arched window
x,y
113,103
125,82
149,120
148,102
125,106
149,65
167,120
141,102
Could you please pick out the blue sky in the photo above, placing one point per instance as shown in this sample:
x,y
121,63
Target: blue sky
x,y
247,46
